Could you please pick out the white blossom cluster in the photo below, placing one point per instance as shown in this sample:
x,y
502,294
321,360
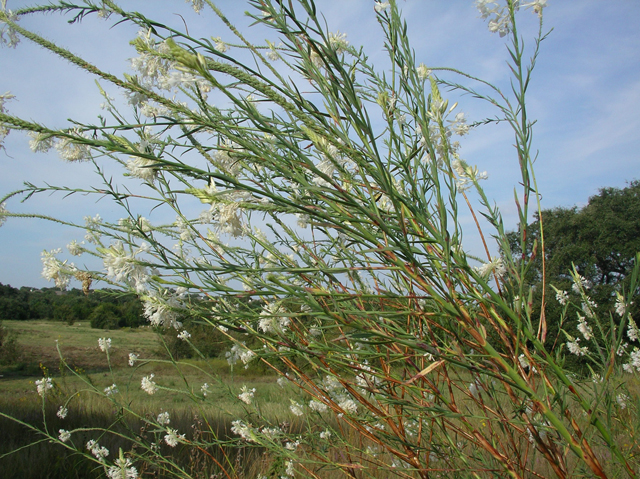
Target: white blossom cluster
x,y
496,266
575,348
273,318
99,452
44,385
64,435
123,266
3,206
246,394
148,385
12,39
466,175
240,352
54,269
122,469
500,21
164,308
111,390
4,130
172,438
104,344
245,431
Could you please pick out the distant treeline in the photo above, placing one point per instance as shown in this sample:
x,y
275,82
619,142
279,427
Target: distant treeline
x,y
105,309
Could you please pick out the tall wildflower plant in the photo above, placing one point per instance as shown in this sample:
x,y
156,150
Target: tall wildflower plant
x,y
327,246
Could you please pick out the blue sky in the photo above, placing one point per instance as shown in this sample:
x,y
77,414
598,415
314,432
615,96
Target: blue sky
x,y
585,95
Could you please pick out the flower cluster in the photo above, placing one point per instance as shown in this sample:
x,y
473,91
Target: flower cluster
x,y
54,269
163,308
246,394
44,385
122,469
148,385
124,267
3,206
104,344
163,418
111,390
99,452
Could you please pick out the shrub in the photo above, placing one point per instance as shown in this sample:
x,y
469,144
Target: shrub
x,y
330,251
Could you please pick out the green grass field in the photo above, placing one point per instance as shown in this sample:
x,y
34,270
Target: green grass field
x,y
87,376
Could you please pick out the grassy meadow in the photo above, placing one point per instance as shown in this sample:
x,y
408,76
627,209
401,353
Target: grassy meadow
x,y
190,413
90,374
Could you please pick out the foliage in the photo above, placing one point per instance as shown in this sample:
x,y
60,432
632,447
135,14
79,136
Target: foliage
x,y
8,347
600,239
125,310
329,250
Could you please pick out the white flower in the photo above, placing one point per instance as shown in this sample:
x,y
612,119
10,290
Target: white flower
x,y
632,330
622,349
622,399
588,307
575,348
148,385
56,270
524,362
184,335
326,434
43,385
621,307
3,213
122,266
204,389
75,248
142,168
122,470
635,361
240,352
64,435
220,45
71,150
133,357
459,125
111,390
317,406
104,344
172,437
495,265
537,6
62,412
198,5
289,470
245,431
40,142
562,297
97,451
162,308
348,405
579,283
381,6
584,328
292,446
338,41
163,418
296,408
246,395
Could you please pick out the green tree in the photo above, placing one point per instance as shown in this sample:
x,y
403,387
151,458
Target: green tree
x,y
105,316
601,239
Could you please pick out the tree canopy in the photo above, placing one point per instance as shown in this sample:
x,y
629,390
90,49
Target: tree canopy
x,y
600,239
